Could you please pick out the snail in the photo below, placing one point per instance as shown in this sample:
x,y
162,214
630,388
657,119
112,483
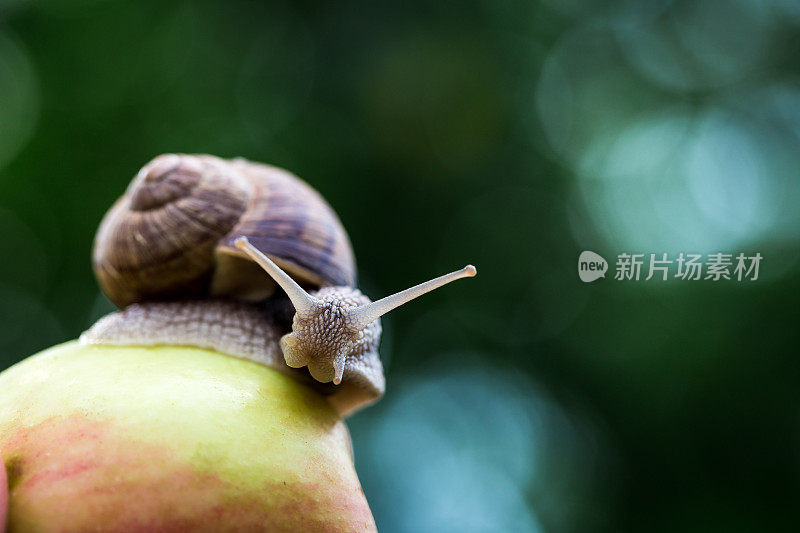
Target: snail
x,y
195,249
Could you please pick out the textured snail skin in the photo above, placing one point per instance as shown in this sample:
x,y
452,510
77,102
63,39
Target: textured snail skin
x,y
111,438
245,330
324,339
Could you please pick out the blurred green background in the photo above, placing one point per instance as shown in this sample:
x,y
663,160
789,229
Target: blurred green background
x,y
509,134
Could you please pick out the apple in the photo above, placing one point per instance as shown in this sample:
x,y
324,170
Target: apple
x,y
168,438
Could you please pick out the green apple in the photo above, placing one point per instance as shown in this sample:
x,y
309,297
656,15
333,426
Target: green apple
x,y
118,438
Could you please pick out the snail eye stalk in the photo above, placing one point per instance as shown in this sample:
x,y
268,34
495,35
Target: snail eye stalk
x,y
365,314
302,301
361,316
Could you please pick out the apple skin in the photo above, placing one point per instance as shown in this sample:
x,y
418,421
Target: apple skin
x,y
118,438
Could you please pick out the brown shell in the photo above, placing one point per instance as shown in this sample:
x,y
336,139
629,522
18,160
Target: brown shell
x,y
171,235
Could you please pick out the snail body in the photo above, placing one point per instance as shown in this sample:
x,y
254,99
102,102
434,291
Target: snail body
x,y
197,233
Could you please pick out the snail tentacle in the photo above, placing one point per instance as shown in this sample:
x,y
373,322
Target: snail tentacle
x,y
367,313
301,300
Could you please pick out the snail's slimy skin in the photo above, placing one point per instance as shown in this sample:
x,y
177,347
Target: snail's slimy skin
x,y
119,438
325,340
244,330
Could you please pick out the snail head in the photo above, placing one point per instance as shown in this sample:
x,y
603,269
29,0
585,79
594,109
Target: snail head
x,y
336,326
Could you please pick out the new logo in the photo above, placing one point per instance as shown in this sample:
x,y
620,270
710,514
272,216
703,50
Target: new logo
x,y
591,266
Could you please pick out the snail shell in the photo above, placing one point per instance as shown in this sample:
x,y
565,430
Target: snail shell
x,y
171,235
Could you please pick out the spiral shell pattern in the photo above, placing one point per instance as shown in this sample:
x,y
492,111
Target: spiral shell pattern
x,y
170,235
